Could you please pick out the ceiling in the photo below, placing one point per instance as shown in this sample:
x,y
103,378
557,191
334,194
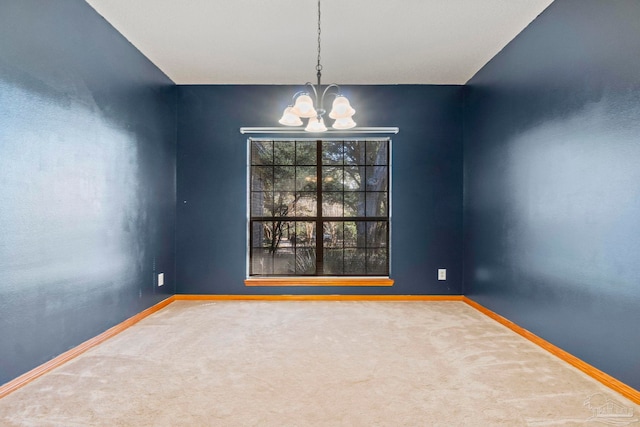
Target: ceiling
x,y
363,41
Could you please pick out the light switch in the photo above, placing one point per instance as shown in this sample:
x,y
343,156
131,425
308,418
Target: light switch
x,y
442,274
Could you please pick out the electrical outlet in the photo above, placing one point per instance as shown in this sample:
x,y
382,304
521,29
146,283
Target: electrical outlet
x,y
160,279
442,274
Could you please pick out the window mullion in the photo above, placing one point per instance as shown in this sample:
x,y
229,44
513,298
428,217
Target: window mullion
x,y
319,221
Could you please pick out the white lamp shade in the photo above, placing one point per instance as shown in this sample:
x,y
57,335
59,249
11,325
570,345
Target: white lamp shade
x,y
346,123
289,119
341,108
304,107
316,125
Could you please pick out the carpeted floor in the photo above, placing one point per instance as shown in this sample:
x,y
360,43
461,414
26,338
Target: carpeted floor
x,y
316,364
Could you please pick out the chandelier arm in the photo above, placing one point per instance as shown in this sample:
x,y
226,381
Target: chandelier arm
x,y
312,86
317,99
326,90
315,94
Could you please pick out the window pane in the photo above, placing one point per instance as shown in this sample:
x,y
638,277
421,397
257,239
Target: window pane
x,y
377,262
354,152
376,234
305,261
283,204
333,235
332,177
332,153
284,152
284,263
377,153
305,153
305,234
377,178
261,262
284,178
354,261
333,261
361,229
354,203
353,178
261,203
332,204
306,178
272,235
376,204
261,178
259,238
273,250
261,152
350,234
305,247
306,204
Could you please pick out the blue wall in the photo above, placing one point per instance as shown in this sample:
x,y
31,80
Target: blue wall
x,y
87,180
552,182
426,194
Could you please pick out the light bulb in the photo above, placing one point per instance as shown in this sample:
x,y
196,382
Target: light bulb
x,y
289,119
316,125
304,107
341,109
346,123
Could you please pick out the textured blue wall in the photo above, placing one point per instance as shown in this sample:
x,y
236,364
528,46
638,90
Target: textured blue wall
x,y
552,182
87,180
426,194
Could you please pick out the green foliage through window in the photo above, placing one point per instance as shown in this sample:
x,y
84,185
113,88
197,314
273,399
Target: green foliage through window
x,y
319,207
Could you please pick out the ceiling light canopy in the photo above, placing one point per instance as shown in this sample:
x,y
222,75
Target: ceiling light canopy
x,y
304,107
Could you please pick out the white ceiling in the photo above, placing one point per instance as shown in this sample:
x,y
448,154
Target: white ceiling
x,y
363,41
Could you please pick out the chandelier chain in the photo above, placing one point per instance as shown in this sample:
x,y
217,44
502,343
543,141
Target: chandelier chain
x,y
309,104
319,66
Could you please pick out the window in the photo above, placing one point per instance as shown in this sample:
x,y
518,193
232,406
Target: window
x,y
319,207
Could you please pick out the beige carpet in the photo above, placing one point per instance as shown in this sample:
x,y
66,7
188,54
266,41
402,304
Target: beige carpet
x,y
316,364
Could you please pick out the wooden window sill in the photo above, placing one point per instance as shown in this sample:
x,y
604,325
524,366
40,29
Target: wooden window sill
x,y
318,281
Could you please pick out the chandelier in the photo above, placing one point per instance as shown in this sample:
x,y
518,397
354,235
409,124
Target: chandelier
x,y
304,107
